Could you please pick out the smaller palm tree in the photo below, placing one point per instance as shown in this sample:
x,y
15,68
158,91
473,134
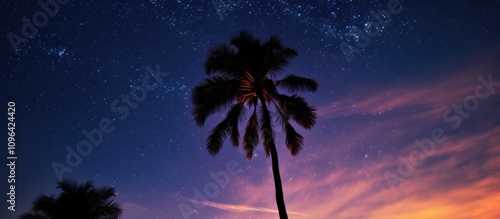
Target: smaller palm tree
x,y
76,201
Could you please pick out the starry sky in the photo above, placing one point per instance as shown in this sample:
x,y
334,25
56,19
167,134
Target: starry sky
x,y
408,108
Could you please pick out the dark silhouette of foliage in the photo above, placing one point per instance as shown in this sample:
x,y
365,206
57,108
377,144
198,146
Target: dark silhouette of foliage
x,y
243,75
76,201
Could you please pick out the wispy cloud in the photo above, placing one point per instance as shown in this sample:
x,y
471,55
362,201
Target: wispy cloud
x,y
244,208
462,183
425,98
460,178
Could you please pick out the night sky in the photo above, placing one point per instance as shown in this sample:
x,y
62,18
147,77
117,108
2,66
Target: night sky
x,y
408,114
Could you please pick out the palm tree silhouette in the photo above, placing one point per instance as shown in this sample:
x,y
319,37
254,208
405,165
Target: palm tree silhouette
x,y
243,75
76,201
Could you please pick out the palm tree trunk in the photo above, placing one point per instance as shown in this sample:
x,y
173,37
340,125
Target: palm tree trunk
x,y
280,200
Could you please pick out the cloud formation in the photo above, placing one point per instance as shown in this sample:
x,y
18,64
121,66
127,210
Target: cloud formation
x,y
458,179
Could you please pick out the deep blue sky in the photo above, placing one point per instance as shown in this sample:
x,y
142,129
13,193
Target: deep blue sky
x,y
66,77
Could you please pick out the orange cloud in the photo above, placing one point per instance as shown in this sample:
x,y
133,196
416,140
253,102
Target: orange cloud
x,y
463,183
459,179
244,208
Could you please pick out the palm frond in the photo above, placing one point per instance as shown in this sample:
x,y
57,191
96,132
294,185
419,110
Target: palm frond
x,y
45,204
104,193
298,110
217,136
68,186
233,117
269,90
224,61
228,127
76,201
251,137
109,210
33,215
272,44
246,44
83,189
294,141
294,83
268,49
266,129
279,59
213,95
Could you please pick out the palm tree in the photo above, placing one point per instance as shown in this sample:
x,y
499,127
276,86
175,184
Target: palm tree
x,y
243,75
77,201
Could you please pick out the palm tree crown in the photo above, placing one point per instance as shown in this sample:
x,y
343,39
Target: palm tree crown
x,y
245,75
77,201
242,76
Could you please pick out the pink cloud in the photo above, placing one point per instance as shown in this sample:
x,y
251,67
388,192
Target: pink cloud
x,y
431,98
434,191
245,208
460,178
